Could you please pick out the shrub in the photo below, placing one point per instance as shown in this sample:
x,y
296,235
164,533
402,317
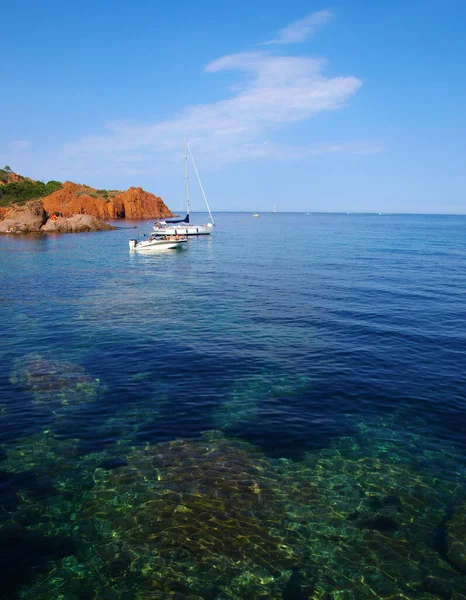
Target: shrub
x,y
19,192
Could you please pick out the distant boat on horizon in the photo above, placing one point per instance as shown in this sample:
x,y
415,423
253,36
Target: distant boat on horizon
x,y
274,209
256,215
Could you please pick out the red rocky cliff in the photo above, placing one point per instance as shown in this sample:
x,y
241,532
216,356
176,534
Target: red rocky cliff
x,y
135,203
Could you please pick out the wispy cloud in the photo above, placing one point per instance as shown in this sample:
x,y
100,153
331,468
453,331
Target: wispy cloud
x,y
302,29
268,150
270,91
276,90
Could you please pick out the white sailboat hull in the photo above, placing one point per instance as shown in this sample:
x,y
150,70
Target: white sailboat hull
x,y
182,229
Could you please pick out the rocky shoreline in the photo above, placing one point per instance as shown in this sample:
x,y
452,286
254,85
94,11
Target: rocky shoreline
x,y
28,206
33,218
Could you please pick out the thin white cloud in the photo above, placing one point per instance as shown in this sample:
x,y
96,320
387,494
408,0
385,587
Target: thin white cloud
x,y
287,152
302,29
277,90
267,92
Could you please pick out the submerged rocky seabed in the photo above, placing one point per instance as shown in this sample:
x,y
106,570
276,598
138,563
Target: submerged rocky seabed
x,y
372,516
54,383
378,514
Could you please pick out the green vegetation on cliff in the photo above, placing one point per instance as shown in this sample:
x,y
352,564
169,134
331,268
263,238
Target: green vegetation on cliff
x,y
5,174
21,190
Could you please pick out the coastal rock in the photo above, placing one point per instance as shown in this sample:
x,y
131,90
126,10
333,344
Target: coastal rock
x,y
32,218
134,203
75,224
24,219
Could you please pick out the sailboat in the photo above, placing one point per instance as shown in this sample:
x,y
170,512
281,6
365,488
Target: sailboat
x,y
183,226
274,209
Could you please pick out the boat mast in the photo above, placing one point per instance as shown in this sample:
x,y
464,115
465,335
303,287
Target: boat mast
x,y
186,174
200,184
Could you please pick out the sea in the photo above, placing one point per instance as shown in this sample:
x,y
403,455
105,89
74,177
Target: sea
x,y
275,411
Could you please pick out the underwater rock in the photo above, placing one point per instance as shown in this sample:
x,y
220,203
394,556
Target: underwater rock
x,y
370,518
243,403
129,423
214,518
24,553
112,463
53,382
195,506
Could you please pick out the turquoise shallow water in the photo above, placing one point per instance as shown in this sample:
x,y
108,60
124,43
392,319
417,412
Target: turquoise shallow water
x,y
276,411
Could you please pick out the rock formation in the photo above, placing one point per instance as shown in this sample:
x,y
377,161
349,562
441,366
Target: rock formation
x,y
134,203
69,207
75,224
32,218
28,218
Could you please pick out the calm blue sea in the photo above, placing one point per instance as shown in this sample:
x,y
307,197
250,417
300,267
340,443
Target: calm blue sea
x,y
276,411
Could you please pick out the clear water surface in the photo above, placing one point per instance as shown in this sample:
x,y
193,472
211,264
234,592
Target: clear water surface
x,y
276,411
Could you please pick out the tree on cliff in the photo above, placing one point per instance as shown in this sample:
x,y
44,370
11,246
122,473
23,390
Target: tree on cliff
x,y
7,169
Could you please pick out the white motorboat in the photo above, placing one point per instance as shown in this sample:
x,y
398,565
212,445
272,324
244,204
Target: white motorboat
x,y
166,242
183,226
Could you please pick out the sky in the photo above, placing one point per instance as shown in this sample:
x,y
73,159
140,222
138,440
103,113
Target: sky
x,y
346,106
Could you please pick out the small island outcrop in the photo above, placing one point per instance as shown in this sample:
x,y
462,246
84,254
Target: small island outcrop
x,y
28,206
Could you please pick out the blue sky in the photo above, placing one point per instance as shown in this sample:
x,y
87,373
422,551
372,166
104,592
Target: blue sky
x,y
345,106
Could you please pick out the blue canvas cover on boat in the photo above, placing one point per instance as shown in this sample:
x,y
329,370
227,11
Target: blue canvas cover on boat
x,y
185,220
